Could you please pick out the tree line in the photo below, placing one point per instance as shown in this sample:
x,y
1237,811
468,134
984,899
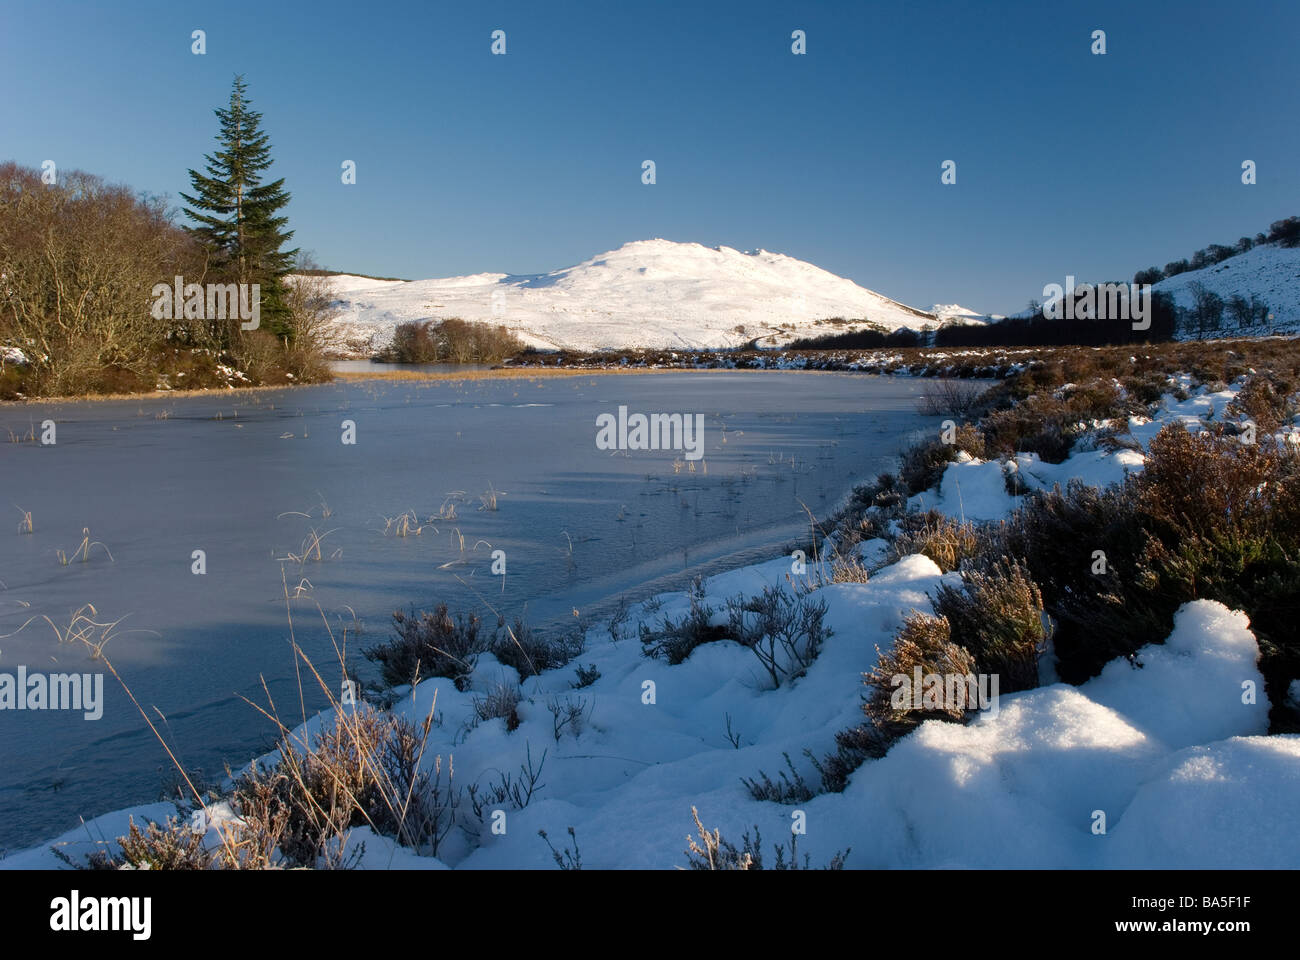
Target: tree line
x,y
1285,233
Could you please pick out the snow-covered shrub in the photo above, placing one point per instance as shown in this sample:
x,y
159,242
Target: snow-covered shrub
x,y
784,630
530,652
501,702
937,536
997,615
430,645
364,770
791,788
172,846
674,641
923,642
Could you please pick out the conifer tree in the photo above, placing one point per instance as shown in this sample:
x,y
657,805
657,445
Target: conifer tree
x,y
236,214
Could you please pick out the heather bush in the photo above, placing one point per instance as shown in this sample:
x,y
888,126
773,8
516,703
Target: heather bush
x,y
366,769
922,466
430,645
789,788
923,642
531,652
937,536
997,615
171,846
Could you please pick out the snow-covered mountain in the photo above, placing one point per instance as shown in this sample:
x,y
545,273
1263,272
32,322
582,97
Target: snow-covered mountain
x,y
956,313
648,293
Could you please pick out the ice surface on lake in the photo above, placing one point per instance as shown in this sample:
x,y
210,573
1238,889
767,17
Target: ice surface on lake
x,y
248,477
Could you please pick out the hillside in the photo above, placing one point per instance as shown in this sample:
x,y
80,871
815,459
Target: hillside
x,y
648,293
1269,272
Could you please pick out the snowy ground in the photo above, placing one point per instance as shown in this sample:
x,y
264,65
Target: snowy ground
x,y
649,293
1169,755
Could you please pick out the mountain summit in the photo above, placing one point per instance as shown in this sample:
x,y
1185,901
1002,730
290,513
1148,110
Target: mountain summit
x,y
648,293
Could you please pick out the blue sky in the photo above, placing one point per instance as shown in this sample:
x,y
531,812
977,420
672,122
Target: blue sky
x,y
1067,163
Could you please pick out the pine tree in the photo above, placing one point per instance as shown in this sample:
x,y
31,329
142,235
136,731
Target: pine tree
x,y
235,212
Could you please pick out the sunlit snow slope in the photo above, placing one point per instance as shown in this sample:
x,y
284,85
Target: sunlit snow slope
x,y
649,293
1269,272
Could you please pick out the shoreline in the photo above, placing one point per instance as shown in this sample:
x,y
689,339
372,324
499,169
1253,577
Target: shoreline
x,y
398,376
973,363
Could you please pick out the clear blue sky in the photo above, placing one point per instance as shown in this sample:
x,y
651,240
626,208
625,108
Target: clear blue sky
x,y
1067,163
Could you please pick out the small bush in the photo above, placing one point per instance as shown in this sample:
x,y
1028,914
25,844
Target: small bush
x,y
509,790
1062,536
675,642
430,645
715,853
569,714
923,642
531,653
566,860
970,439
368,768
934,535
922,466
853,747
950,396
849,570
1266,402
792,787
784,630
173,846
997,615
501,702
586,676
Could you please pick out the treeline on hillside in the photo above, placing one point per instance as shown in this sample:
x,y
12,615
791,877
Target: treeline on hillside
x,y
1033,331
1208,314
450,341
1285,233
1040,329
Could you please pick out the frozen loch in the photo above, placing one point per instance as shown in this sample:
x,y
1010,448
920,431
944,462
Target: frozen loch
x,y
193,522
